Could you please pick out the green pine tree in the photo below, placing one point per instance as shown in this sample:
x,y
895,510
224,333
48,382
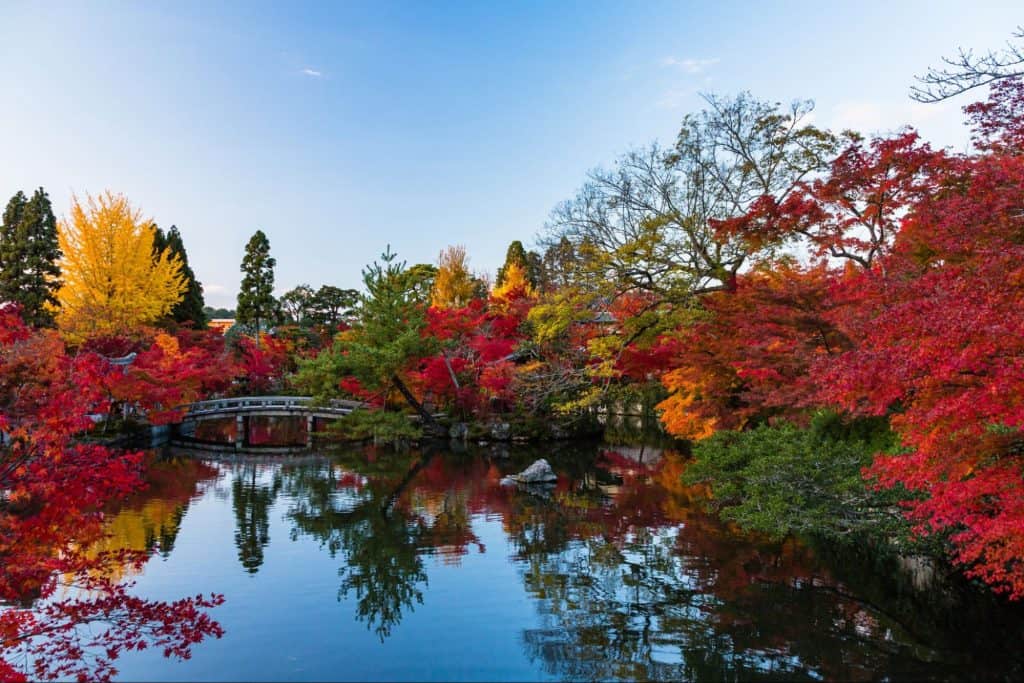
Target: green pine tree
x,y
256,303
191,307
515,254
530,262
29,257
385,337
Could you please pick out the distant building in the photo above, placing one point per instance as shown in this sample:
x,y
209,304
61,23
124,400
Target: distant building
x,y
221,325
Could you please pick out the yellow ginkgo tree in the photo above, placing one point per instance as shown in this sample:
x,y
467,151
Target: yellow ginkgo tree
x,y
514,284
454,285
113,283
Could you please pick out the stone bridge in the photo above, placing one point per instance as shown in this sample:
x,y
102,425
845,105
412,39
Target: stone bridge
x,y
244,407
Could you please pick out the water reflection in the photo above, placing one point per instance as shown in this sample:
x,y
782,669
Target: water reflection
x,y
351,514
251,499
149,521
628,578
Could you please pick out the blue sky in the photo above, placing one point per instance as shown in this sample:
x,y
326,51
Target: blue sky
x,y
338,128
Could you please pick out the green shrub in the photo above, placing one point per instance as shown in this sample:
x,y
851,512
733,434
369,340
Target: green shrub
x,y
379,425
782,480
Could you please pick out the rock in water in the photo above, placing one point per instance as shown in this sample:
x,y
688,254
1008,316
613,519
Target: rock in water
x,y
539,472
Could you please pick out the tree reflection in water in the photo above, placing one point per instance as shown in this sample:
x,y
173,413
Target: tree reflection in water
x,y
642,585
251,499
356,516
631,579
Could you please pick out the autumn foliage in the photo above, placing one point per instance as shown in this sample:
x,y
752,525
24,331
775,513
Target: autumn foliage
x,y
909,308
112,282
885,284
61,609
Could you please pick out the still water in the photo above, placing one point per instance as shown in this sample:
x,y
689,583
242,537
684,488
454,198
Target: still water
x,y
368,564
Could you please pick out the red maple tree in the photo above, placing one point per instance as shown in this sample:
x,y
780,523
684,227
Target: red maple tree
x,y
61,613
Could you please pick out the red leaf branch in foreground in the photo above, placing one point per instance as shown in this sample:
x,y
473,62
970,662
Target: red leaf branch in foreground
x,y
60,609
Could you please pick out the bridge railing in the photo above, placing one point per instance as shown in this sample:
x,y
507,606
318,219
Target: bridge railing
x,y
257,403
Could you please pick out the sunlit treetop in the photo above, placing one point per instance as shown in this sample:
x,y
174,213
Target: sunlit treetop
x,y
112,281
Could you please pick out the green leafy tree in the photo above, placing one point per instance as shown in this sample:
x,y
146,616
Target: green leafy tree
x,y
332,306
29,256
256,303
419,279
191,308
297,305
384,340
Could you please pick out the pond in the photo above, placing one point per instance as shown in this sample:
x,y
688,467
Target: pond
x,y
370,564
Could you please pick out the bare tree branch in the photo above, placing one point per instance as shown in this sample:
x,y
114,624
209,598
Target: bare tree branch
x,y
967,71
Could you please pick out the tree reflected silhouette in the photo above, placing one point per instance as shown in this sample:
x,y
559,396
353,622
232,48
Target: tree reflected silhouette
x,y
630,578
356,517
642,585
251,501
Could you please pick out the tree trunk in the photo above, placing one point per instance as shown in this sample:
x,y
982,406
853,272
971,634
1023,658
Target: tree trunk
x,y
428,419
451,372
427,454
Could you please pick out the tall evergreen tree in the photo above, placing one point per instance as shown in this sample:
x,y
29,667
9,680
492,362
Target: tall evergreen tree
x,y
558,265
190,308
530,262
386,336
29,256
515,254
256,302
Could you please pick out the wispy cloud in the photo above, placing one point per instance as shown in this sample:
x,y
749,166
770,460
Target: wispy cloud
x,y
312,73
689,65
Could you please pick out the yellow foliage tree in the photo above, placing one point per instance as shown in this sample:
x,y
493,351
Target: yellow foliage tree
x,y
514,285
453,285
679,412
112,283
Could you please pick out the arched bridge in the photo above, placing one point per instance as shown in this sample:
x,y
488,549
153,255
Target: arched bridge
x,y
270,406
244,407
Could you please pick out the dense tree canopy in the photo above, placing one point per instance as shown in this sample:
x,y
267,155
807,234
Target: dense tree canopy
x,y
30,256
112,284
190,310
332,306
909,310
297,304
